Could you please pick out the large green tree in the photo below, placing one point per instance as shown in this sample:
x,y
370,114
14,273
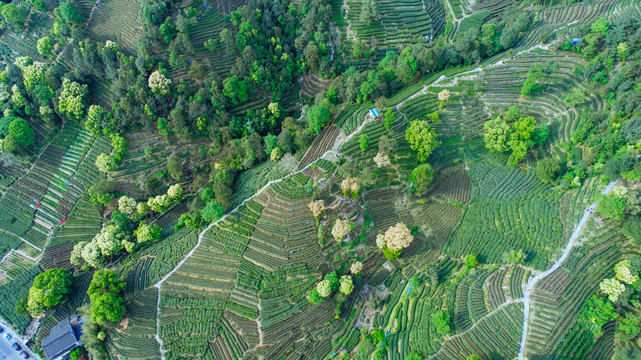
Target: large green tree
x,y
369,12
49,289
14,15
421,138
20,137
212,211
421,178
497,134
548,169
316,118
107,304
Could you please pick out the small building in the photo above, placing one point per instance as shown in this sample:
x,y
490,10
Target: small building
x,y
63,338
374,113
576,41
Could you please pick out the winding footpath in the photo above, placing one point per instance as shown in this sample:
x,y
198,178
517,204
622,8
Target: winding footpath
x,y
533,281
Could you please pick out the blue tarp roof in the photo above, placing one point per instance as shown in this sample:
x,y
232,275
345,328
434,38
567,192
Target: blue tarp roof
x,y
374,112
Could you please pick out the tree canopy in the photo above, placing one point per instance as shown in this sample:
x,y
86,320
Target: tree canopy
x,y
421,138
48,290
107,304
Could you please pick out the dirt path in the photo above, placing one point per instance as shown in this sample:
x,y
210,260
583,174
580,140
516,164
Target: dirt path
x,y
533,281
349,32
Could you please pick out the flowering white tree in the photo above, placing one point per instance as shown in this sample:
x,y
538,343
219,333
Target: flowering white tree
x,y
158,83
34,74
92,255
126,205
398,237
105,163
382,160
317,207
623,273
340,229
350,184
175,192
346,284
324,288
356,267
108,240
159,203
444,95
613,288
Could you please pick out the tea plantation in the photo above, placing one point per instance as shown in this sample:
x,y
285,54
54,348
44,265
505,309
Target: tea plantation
x,y
357,179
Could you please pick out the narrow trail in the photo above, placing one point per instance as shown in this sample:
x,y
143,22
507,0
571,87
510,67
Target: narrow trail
x,y
349,32
533,281
91,14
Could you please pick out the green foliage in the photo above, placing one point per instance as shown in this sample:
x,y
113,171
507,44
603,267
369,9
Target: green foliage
x,y
529,85
520,140
68,12
392,253
406,64
600,26
271,142
212,211
598,311
147,233
236,90
369,12
363,141
175,167
628,327
473,357
471,261
632,229
332,279
421,178
513,257
421,138
389,117
45,45
14,15
317,116
107,306
20,136
102,193
611,208
76,353
21,307
441,321
497,133
314,297
512,113
548,169
48,290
